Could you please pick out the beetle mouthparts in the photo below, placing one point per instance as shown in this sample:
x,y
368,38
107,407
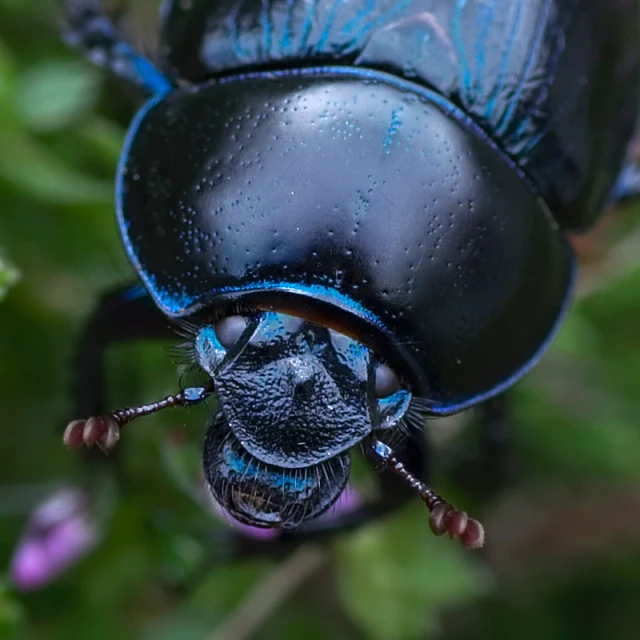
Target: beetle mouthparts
x,y
444,517
264,495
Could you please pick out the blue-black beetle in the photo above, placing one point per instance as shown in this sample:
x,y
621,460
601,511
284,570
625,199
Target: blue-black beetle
x,y
356,212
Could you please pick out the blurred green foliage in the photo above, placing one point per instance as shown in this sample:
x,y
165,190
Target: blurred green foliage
x,y
563,558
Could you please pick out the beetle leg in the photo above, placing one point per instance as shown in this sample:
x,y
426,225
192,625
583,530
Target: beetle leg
x,y
495,442
57,535
122,315
89,28
489,468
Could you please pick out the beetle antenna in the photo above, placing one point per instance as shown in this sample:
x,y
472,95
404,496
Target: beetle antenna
x,y
88,27
104,431
444,518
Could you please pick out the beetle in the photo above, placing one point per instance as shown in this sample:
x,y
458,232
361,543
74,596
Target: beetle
x,y
357,214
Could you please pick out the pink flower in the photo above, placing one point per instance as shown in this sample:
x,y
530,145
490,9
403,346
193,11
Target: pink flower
x,y
58,534
350,500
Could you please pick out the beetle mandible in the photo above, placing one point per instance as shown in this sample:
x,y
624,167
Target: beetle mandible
x,y
356,212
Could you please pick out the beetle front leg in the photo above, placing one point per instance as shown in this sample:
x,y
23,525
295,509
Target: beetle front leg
x,y
122,315
88,27
489,466
496,452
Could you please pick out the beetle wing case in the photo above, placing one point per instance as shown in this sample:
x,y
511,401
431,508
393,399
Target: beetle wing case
x,y
553,82
356,192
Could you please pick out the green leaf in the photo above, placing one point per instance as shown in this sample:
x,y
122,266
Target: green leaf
x,y
7,74
30,166
396,578
103,138
181,624
9,275
181,461
56,93
11,616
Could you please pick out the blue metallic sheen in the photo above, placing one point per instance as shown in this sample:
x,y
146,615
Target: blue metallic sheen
x,y
195,394
238,463
382,449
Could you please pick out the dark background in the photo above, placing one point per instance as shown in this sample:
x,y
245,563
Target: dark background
x,y
563,558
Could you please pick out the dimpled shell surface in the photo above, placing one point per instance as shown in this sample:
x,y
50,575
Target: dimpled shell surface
x,y
355,193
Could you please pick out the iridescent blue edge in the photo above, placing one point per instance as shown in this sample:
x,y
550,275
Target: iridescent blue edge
x,y
173,306
448,409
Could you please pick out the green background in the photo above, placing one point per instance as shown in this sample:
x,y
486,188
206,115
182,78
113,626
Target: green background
x,y
563,558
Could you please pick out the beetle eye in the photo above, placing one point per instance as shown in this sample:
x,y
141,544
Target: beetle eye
x,y
387,382
229,329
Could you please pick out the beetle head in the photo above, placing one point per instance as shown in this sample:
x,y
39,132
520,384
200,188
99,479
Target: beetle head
x,y
294,397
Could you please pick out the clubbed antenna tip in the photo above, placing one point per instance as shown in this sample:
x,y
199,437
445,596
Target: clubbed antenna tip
x,y
444,518
104,431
